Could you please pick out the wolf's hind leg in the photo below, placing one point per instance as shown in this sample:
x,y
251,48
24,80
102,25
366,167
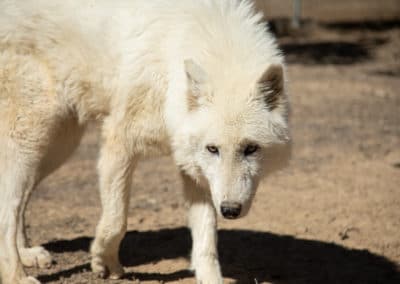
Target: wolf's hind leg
x,y
30,256
115,169
203,225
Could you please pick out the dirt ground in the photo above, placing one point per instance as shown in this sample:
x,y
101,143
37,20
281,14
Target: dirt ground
x,y
333,216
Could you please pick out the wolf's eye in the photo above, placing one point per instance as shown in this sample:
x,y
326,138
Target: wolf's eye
x,y
212,149
250,149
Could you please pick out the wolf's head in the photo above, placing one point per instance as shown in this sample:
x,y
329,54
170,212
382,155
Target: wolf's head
x,y
235,133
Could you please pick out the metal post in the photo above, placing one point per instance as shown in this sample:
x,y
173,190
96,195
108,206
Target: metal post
x,y
296,14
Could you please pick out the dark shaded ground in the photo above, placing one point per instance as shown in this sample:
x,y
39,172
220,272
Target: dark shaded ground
x,y
266,257
339,45
380,26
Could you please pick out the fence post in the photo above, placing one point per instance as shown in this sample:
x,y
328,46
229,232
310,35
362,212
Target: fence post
x,y
296,14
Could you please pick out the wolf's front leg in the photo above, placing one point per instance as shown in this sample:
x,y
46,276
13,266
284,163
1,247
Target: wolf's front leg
x,y
115,169
16,177
203,225
36,256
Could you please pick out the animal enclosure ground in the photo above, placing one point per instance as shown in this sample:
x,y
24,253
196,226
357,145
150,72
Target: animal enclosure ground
x,y
332,217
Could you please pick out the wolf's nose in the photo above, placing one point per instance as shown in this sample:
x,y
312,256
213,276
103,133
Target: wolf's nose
x,y
230,210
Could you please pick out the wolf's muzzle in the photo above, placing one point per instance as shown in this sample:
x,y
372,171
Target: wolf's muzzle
x,y
230,210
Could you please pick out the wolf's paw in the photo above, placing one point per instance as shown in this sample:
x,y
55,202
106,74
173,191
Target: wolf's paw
x,y
28,280
209,279
35,257
207,271
107,269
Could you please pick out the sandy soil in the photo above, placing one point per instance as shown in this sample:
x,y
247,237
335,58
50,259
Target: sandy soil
x,y
333,216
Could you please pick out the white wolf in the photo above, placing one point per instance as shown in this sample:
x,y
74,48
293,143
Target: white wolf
x,y
200,79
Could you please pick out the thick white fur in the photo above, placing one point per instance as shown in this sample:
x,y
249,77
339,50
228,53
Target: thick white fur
x,y
133,65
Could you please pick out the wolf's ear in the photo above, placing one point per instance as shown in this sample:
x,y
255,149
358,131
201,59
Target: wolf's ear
x,y
271,86
196,80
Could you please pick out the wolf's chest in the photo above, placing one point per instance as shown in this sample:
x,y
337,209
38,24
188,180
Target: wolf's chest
x,y
145,117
